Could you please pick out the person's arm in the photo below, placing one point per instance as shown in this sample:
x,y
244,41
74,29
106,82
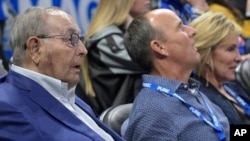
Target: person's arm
x,y
200,5
195,8
245,56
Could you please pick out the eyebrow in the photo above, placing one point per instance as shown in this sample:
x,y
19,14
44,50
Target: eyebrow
x,y
73,30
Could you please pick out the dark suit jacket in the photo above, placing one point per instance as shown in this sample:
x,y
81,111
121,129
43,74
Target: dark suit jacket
x,y
29,113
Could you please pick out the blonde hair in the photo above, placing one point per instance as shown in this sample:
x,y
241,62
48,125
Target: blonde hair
x,y
108,12
213,28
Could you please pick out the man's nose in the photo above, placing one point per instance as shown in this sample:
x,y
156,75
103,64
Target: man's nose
x,y
191,31
82,49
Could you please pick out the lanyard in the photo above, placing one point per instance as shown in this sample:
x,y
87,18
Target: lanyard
x,y
239,100
191,108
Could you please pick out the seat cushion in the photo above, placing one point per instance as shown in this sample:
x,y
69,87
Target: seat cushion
x,y
243,74
115,116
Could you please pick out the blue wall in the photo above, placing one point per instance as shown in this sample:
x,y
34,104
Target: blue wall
x,y
81,10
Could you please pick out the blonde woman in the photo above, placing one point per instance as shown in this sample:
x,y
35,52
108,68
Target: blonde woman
x,y
110,77
217,42
233,12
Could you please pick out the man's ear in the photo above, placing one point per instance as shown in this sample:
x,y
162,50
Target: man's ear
x,y
158,47
33,46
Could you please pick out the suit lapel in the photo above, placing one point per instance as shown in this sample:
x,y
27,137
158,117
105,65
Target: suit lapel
x,y
60,112
89,111
51,105
54,108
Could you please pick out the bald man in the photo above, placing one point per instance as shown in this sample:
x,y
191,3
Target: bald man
x,y
169,107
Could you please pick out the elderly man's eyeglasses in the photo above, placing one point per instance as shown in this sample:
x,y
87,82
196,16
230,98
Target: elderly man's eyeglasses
x,y
73,38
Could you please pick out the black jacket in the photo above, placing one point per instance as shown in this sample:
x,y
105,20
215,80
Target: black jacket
x,y
115,78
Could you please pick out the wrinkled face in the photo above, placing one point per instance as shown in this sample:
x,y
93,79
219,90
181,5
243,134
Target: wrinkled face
x,y
58,58
225,59
139,7
180,41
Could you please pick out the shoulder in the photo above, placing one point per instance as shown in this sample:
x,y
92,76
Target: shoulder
x,y
109,30
237,88
8,89
112,29
154,104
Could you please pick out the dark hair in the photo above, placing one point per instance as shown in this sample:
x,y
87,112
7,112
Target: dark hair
x,y
240,4
227,3
137,41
